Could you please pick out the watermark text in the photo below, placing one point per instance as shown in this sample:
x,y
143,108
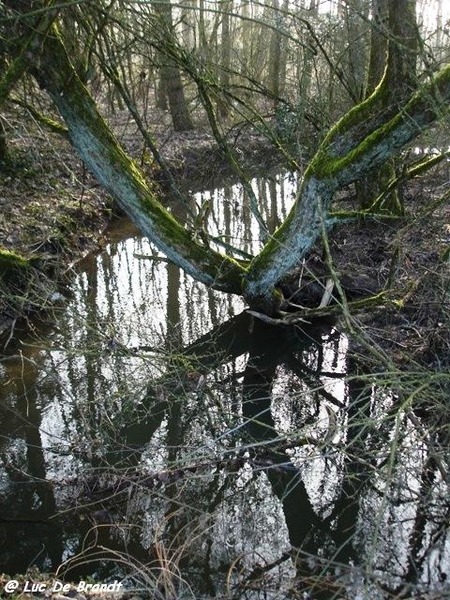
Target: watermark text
x,y
56,586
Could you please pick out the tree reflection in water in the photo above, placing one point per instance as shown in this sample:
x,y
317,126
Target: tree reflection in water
x,y
155,436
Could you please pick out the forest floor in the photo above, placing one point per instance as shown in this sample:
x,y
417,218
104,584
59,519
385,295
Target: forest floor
x,y
52,210
407,258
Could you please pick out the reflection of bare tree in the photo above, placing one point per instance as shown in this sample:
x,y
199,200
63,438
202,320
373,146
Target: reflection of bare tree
x,y
34,534
256,400
307,530
267,348
338,532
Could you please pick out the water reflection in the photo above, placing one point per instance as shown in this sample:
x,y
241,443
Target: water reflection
x,y
161,435
230,220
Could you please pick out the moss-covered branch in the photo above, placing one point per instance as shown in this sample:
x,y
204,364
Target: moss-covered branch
x,y
11,261
363,140
346,155
27,47
373,150
50,124
414,170
108,162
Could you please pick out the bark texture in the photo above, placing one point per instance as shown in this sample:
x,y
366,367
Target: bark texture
x,y
394,49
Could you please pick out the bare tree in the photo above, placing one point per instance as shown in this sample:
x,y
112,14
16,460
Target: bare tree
x,y
170,75
394,47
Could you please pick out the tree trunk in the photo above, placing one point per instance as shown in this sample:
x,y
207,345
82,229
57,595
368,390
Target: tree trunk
x,y
12,72
161,94
394,35
22,51
170,82
108,162
275,54
223,107
3,144
355,15
363,140
305,67
403,48
379,36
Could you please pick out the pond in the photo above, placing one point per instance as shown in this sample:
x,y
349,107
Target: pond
x,y
154,432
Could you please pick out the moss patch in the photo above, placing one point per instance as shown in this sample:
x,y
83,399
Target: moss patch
x,y
11,261
14,268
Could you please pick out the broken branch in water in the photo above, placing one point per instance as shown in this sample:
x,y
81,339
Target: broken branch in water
x,y
307,314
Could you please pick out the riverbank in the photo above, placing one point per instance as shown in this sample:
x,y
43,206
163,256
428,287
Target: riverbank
x,y
85,372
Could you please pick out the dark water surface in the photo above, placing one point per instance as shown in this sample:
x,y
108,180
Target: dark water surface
x,y
155,432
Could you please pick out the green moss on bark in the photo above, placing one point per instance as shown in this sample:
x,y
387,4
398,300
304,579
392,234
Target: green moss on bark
x,y
12,262
15,274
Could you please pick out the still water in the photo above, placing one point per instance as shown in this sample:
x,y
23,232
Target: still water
x,y
153,432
